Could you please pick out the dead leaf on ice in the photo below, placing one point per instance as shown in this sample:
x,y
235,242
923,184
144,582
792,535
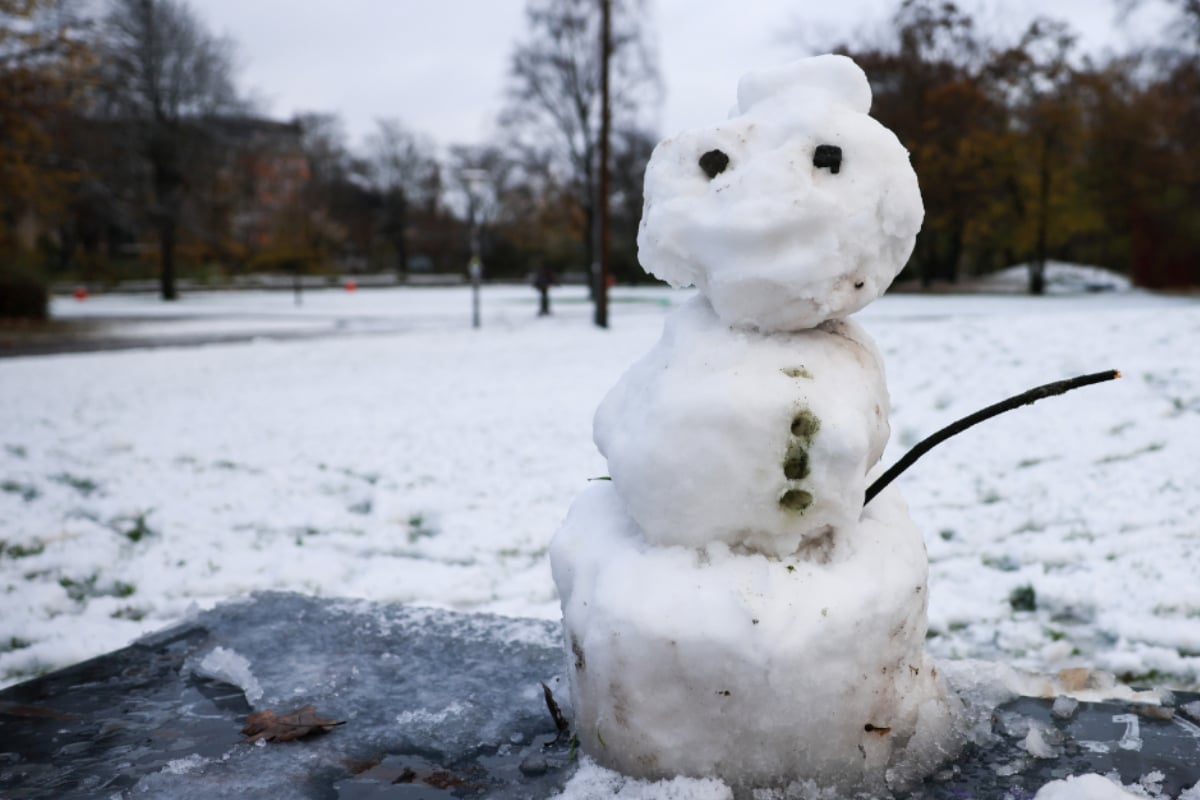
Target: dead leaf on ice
x,y
284,728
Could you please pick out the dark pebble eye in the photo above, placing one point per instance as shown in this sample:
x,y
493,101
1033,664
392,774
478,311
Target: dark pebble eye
x,y
713,163
828,155
859,284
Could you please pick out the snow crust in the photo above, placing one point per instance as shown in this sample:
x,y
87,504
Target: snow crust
x,y
774,241
593,782
1086,787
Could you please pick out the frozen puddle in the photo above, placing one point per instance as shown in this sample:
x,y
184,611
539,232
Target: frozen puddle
x,y
439,704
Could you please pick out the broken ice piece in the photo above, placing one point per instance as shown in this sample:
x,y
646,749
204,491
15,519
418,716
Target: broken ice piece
x,y
1064,707
230,666
1041,742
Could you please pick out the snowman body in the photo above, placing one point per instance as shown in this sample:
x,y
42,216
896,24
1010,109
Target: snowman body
x,y
731,608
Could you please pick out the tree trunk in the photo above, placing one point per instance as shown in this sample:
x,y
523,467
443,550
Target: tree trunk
x,y
400,240
1037,267
166,249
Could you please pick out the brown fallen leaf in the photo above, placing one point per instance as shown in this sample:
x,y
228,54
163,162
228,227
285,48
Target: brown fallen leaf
x,y
285,727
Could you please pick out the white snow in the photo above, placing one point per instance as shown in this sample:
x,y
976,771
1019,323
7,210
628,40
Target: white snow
x,y
1085,497
1084,787
593,782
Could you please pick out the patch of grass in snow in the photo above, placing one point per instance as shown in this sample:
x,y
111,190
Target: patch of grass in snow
x,y
1023,598
130,613
419,528
990,497
1174,611
1026,463
1153,447
79,590
361,507
1142,680
134,527
1004,563
233,466
82,590
371,478
28,674
14,643
27,491
307,530
85,486
16,450
20,550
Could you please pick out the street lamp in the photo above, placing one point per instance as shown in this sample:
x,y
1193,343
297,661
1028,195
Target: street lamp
x,y
475,181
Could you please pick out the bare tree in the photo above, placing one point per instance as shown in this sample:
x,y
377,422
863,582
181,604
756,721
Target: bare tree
x,y
166,76
554,96
402,169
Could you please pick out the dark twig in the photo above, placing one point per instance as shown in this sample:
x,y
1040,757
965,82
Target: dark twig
x,y
1023,399
560,721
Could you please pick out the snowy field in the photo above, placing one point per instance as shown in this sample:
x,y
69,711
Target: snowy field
x,y
409,458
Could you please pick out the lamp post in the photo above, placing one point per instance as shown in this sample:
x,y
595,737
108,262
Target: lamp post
x,y
474,181
601,317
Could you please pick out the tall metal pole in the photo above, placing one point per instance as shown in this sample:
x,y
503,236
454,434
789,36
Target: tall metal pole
x,y
605,125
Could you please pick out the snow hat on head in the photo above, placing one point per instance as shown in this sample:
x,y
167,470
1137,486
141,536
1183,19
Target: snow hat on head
x,y
799,209
836,76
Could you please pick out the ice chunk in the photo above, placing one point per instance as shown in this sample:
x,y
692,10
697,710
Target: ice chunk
x,y
1039,742
759,441
593,782
1064,706
231,667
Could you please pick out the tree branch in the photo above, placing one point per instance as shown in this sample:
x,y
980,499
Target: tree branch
x,y
1023,399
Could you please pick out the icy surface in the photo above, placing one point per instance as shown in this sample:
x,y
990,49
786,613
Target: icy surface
x,y
429,691
774,240
437,699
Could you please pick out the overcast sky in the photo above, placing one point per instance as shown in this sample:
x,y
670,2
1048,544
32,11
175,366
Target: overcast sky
x,y
439,65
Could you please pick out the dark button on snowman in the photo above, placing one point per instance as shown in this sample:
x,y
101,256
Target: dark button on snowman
x,y
731,608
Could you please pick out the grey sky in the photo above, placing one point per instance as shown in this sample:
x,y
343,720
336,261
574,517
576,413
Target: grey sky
x,y
439,65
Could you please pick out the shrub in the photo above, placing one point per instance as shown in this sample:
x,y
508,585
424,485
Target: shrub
x,y
23,296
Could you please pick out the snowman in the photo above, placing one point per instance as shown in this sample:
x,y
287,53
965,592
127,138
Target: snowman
x,y
731,608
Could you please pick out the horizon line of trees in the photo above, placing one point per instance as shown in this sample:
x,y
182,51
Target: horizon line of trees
x,y
127,151
1029,151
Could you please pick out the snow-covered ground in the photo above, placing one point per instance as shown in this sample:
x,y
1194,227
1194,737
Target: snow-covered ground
x,y
413,459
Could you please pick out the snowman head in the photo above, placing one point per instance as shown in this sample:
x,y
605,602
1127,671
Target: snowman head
x,y
798,209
